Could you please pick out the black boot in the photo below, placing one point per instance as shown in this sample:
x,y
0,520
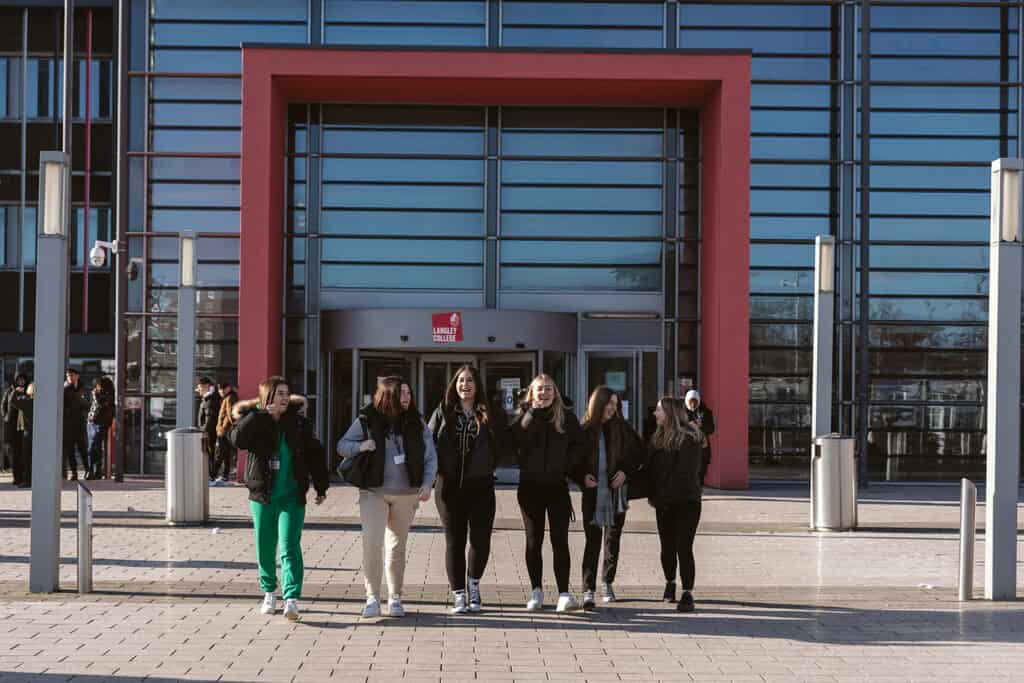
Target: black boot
x,y
670,592
685,602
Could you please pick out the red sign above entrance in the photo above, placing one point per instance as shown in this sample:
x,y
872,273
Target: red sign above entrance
x,y
447,328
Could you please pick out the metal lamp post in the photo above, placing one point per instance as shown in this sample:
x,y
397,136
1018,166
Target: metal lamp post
x,y
186,329
824,308
50,357
1002,472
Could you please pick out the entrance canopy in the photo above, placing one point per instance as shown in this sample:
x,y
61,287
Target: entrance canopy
x,y
716,83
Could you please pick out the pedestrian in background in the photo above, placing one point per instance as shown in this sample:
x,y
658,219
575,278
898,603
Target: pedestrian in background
x,y
614,450
700,415
550,447
209,410
225,452
12,435
401,464
101,416
468,434
24,403
674,462
284,455
76,404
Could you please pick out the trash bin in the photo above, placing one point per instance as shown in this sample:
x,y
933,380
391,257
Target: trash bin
x,y
833,484
187,478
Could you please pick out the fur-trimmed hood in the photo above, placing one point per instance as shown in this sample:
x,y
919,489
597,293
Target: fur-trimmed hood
x,y
296,403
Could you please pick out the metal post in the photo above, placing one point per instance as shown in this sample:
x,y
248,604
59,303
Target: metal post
x,y
68,74
821,382
121,261
186,332
84,539
50,357
1003,414
968,503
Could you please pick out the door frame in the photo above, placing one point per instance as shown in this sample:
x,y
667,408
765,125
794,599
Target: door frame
x,y
619,351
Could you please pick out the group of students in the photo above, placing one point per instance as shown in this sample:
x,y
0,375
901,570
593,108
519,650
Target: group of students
x,y
87,419
401,458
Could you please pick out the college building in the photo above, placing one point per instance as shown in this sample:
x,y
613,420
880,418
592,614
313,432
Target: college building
x,y
622,193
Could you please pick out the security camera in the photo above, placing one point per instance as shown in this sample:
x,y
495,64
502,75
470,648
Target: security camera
x,y
97,256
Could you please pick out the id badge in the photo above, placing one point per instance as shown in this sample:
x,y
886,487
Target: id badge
x,y
275,464
400,455
400,459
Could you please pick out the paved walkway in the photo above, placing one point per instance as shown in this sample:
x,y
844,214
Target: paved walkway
x,y
775,602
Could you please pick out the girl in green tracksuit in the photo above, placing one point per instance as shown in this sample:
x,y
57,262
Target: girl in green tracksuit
x,y
284,454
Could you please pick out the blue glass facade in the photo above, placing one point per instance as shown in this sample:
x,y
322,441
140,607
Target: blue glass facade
x,y
873,121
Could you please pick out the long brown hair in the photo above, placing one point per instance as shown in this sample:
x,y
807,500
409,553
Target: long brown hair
x,y
452,402
388,398
677,428
614,429
557,405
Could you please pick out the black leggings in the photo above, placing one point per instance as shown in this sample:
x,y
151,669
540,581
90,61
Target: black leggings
x,y
225,454
536,501
677,527
612,537
467,511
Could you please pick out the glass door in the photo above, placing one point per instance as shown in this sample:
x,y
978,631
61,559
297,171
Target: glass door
x,y
507,376
375,366
436,372
634,374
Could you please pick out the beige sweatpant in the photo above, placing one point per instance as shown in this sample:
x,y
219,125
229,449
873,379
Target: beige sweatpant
x,y
389,517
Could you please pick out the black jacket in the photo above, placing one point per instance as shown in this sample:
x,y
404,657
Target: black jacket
x,y
209,410
76,403
258,433
629,456
481,462
411,426
674,473
545,455
705,421
101,412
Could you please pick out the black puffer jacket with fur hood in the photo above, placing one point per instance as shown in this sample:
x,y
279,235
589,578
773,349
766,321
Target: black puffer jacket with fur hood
x,y
258,433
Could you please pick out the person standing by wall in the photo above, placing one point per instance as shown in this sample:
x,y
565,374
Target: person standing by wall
x,y
76,403
24,402
549,447
674,462
12,435
225,452
284,455
614,450
209,409
699,414
400,467
467,433
101,416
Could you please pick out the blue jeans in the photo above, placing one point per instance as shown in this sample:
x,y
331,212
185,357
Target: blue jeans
x,y
97,449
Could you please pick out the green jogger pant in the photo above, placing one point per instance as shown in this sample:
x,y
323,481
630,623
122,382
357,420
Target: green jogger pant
x,y
279,523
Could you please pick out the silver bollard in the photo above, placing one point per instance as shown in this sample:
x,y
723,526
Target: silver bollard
x,y
84,539
968,503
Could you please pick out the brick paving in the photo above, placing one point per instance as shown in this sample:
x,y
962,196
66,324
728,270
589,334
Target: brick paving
x,y
775,602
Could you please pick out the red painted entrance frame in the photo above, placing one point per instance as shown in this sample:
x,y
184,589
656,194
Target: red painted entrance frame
x,y
717,84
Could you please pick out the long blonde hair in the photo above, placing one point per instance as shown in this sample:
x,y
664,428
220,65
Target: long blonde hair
x,y
677,428
557,405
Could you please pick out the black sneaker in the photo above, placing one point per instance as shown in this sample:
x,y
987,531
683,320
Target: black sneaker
x,y
670,592
685,603
588,600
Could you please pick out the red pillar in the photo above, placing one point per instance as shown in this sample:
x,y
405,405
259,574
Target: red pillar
x,y
725,277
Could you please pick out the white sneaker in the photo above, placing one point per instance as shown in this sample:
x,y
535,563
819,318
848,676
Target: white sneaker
x,y
536,601
588,600
609,594
567,603
475,604
269,605
459,600
291,609
372,608
395,608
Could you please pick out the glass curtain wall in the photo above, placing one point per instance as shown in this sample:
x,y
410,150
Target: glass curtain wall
x,y
941,84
